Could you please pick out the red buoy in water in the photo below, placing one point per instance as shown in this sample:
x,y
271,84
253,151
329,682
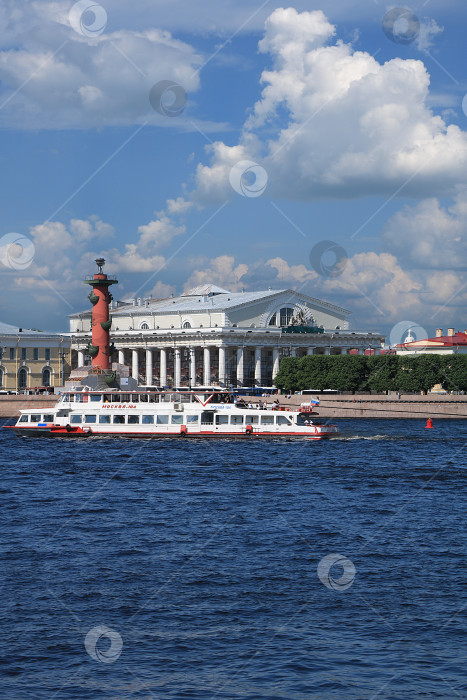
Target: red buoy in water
x,y
429,423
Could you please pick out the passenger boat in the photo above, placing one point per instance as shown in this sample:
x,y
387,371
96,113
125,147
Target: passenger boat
x,y
150,414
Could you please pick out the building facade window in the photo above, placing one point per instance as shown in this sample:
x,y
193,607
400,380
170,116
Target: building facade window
x,y
186,324
12,353
47,354
144,327
24,353
285,316
273,320
46,377
1,377
23,378
35,354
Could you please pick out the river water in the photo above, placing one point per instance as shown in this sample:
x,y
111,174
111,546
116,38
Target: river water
x,y
236,569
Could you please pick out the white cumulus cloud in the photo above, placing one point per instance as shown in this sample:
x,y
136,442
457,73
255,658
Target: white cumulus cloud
x,y
430,235
53,78
353,126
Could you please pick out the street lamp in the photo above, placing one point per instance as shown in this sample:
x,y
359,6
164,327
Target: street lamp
x,y
62,355
2,350
187,353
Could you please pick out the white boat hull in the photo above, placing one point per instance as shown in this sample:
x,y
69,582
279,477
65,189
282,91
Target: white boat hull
x,y
158,415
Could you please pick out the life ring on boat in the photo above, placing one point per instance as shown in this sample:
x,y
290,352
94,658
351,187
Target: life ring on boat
x,y
68,428
249,430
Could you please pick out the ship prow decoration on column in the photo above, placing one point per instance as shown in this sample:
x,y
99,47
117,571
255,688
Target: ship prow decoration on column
x,y
100,298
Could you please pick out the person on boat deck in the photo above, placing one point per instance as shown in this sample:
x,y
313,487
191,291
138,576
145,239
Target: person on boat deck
x,y
250,405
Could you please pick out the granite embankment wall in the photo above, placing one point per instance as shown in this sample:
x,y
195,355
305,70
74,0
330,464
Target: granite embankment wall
x,y
360,406
10,405
370,406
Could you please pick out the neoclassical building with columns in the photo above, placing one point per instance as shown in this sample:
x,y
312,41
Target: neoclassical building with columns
x,y
212,337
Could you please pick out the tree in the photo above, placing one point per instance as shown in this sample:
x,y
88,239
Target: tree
x,y
287,378
453,372
348,373
315,370
382,372
427,371
405,378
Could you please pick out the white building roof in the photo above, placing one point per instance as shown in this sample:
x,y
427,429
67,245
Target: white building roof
x,y
7,329
205,290
216,299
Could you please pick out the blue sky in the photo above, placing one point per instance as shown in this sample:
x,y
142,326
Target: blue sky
x,y
362,141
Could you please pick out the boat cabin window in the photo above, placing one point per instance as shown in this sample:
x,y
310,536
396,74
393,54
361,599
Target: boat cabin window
x,y
132,420
207,417
66,397
126,398
104,419
147,420
23,419
107,398
166,398
222,420
177,420
118,419
75,419
236,420
252,420
267,420
48,418
304,418
144,398
97,398
115,398
282,420
192,419
162,420
35,418
90,419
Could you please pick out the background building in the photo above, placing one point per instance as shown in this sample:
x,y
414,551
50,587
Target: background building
x,y
30,358
210,336
452,343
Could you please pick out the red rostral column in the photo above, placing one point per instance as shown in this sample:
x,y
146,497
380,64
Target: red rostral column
x,y
100,298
